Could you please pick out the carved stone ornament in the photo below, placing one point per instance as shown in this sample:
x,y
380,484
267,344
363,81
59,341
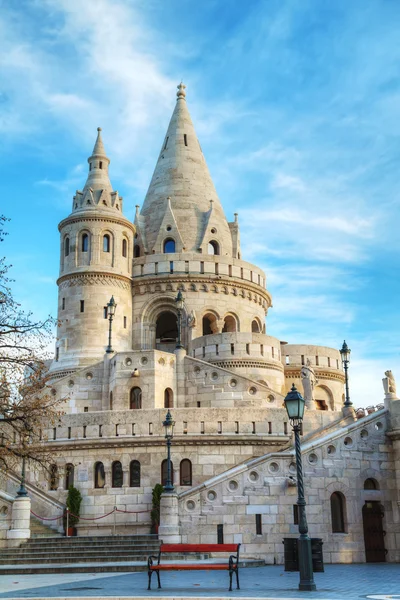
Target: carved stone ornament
x,y
309,381
389,384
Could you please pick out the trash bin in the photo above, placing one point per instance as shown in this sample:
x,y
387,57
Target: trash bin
x,y
292,557
290,554
317,555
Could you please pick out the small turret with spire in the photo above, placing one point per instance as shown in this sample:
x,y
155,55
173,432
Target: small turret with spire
x,y
97,192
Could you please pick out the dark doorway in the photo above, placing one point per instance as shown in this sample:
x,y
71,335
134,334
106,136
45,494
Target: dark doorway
x,y
166,331
373,532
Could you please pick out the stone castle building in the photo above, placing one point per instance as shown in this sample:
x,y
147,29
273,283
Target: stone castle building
x,y
232,453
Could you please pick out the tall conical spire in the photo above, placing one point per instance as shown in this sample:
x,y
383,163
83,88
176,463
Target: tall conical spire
x,y
181,173
98,192
98,167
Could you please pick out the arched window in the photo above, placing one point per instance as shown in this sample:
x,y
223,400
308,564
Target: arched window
x,y
164,472
186,472
69,475
106,243
371,484
99,475
168,398
230,324
213,247
169,246
134,473
338,512
255,326
111,400
124,248
66,246
166,328
85,242
53,478
135,398
136,251
117,474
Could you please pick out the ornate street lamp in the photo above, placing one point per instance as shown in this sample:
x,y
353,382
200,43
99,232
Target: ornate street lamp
x,y
294,404
179,306
169,434
111,306
345,354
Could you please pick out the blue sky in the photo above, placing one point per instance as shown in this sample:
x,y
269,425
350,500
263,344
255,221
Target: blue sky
x,y
297,106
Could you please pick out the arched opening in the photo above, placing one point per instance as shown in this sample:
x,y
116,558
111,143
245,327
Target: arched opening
x,y
209,324
168,398
185,472
255,326
124,248
66,246
53,478
85,243
117,474
338,512
213,247
106,243
166,331
169,246
323,398
99,476
135,398
134,473
69,475
371,484
164,474
230,324
136,251
374,534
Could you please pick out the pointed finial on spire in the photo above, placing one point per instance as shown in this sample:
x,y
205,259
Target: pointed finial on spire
x,y
99,149
181,91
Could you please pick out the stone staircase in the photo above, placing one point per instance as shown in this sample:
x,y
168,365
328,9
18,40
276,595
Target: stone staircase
x,y
79,554
40,530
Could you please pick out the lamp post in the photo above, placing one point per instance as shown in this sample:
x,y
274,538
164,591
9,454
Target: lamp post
x,y
179,306
22,489
169,434
111,306
345,355
294,404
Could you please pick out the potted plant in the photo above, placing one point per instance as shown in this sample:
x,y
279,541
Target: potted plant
x,y
73,503
155,513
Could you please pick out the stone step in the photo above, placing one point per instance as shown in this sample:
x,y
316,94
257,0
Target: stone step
x,y
115,567
39,529
97,538
84,558
10,554
48,547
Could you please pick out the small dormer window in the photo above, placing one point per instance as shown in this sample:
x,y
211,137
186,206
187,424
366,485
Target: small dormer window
x,y
124,248
100,165
137,251
66,246
169,246
106,243
185,138
213,247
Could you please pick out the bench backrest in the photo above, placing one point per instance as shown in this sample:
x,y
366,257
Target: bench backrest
x,y
178,548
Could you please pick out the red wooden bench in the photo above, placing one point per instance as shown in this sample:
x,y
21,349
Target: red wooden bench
x,y
232,565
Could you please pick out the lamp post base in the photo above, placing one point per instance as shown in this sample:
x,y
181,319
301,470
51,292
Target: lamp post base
x,y
307,583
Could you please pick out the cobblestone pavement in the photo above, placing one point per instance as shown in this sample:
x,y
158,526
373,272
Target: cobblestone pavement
x,y
339,582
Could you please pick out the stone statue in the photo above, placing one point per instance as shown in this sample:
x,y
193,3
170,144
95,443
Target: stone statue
x,y
191,320
309,381
389,384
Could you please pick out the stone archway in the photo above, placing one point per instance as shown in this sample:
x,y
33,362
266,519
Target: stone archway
x,y
159,325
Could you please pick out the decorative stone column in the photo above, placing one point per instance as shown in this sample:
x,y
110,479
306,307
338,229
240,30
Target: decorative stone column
x,y
169,529
21,519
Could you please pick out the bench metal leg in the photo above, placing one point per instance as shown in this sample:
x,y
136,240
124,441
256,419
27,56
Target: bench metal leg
x,y
150,574
230,580
158,577
237,579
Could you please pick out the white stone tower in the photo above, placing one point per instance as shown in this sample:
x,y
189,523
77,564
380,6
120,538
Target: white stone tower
x,y
96,248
